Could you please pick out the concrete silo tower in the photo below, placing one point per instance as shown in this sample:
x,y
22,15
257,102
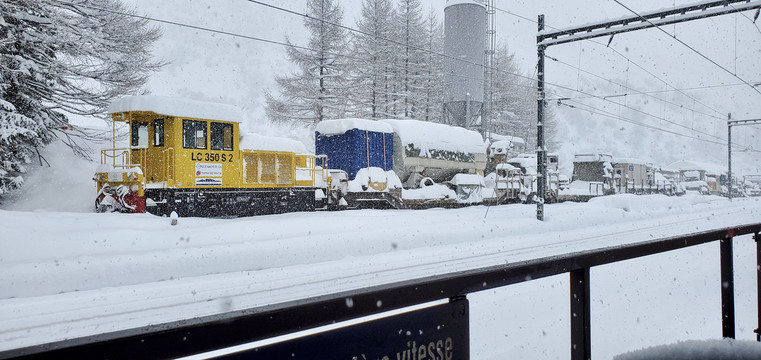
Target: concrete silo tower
x,y
464,45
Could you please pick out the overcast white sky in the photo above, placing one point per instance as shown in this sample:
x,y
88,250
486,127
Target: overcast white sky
x,y
238,70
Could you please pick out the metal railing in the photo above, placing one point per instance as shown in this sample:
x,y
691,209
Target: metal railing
x,y
123,158
198,335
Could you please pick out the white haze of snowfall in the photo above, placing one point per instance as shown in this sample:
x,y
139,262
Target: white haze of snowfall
x,y
58,256
237,71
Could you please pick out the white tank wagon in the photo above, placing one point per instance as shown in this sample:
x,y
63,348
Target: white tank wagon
x,y
464,45
436,151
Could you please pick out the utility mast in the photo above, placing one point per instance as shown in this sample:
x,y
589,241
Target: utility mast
x,y
491,48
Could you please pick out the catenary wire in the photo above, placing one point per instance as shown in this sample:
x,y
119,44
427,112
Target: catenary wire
x,y
621,55
690,47
635,92
591,109
396,42
673,88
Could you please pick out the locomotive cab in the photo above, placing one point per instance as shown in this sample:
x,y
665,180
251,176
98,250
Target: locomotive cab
x,y
166,151
185,156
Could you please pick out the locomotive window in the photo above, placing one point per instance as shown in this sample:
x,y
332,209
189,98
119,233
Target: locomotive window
x,y
158,132
221,136
193,134
139,134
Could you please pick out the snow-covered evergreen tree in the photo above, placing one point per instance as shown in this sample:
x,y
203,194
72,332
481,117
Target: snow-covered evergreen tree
x,y
60,56
514,109
411,57
432,94
318,89
372,50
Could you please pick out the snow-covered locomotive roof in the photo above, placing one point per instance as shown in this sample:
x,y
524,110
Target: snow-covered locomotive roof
x,y
341,126
180,107
437,136
253,141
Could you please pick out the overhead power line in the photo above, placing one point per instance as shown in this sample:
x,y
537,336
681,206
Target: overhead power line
x,y
273,42
632,61
597,111
629,87
689,47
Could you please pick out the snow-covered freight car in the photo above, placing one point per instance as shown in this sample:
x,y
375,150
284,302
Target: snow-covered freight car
x,y
403,163
436,151
364,150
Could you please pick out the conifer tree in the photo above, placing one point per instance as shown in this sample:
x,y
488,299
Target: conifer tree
x,y
318,89
59,57
410,64
372,50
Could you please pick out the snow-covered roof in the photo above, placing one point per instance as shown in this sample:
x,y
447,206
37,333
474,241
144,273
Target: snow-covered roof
x,y
340,126
525,160
464,2
684,165
252,141
632,161
513,139
506,167
181,107
434,136
592,157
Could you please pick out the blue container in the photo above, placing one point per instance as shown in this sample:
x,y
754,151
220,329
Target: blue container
x,y
356,149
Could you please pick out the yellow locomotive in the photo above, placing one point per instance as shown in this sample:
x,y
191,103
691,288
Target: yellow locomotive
x,y
185,156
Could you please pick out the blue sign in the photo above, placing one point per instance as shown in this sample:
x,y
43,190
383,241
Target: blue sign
x,y
436,333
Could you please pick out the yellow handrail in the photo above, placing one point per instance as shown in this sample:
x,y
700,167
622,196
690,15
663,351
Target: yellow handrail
x,y
121,158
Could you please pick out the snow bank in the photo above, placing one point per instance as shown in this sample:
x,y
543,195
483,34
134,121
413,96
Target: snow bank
x,y
340,126
65,185
467,179
431,192
181,107
698,350
365,176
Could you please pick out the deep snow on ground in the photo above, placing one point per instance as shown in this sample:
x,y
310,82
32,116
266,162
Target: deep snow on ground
x,y
67,272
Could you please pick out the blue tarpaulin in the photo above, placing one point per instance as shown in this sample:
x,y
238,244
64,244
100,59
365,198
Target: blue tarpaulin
x,y
356,149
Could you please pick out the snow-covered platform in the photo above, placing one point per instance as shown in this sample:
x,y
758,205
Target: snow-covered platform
x,y
93,273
